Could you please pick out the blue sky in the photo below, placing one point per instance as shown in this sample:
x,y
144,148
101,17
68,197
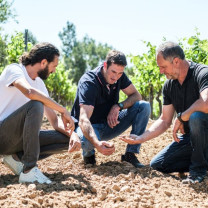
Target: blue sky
x,y
119,23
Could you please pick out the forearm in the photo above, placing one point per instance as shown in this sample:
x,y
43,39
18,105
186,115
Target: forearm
x,y
157,128
35,94
88,131
199,105
131,100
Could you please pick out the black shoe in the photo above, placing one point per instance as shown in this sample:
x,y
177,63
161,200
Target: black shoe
x,y
131,158
89,160
193,179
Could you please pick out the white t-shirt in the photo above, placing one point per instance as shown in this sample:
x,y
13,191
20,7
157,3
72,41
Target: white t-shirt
x,y
10,97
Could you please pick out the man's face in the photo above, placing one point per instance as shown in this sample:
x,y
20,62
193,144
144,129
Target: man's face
x,y
112,73
48,69
166,67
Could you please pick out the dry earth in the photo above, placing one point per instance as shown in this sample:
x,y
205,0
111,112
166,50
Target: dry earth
x,y
110,184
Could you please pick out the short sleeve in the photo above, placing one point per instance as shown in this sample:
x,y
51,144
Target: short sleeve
x,y
202,78
166,92
13,72
87,93
125,82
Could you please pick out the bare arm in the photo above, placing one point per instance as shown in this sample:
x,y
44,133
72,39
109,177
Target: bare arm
x,y
57,124
157,128
88,131
35,94
199,105
133,96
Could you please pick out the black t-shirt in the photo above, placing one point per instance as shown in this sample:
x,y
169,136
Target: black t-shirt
x,y
183,96
93,90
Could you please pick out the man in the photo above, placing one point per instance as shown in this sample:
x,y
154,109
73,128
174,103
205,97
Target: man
x,y
101,117
23,99
186,92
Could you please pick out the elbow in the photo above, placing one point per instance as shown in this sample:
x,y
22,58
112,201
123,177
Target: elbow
x,y
30,93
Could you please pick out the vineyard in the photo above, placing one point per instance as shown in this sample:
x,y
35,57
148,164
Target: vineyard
x,y
110,183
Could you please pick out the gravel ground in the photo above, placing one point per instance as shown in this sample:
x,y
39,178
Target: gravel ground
x,y
109,184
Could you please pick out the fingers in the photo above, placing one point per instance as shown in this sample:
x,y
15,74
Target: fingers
x,y
112,123
74,143
175,136
106,148
128,140
76,146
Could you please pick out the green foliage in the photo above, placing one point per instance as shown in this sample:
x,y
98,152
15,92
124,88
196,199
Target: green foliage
x,y
195,49
146,77
3,53
80,56
16,48
5,11
60,87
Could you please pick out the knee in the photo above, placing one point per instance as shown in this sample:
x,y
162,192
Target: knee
x,y
195,120
157,165
36,107
143,106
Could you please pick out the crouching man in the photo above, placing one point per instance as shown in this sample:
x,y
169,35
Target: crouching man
x,y
24,98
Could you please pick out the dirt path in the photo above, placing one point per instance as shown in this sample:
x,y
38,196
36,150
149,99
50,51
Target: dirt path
x,y
110,184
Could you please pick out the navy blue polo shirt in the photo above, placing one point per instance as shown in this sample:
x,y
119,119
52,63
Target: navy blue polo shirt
x,y
183,96
94,90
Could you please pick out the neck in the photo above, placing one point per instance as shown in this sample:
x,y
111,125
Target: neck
x,y
184,67
32,71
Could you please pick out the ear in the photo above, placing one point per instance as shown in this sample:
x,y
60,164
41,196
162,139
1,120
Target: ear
x,y
105,65
176,60
43,63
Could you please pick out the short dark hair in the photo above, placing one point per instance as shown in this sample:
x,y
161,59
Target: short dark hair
x,y
39,52
116,57
171,50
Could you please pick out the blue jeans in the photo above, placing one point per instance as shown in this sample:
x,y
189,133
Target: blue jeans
x,y
190,154
136,116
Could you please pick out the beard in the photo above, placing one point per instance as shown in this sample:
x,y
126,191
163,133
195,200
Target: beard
x,y
43,74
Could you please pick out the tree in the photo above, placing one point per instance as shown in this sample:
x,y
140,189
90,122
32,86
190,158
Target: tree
x,y
5,11
147,78
80,56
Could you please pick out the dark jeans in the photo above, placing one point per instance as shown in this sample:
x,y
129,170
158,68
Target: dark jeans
x,y
136,116
20,134
190,154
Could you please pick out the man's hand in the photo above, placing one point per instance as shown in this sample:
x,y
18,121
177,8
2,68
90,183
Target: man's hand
x,y
74,143
177,125
68,121
106,148
112,117
131,139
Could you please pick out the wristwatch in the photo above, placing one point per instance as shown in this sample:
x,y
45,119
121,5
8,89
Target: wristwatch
x,y
179,117
121,106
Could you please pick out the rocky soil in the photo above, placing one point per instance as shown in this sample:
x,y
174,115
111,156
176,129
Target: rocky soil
x,y
109,184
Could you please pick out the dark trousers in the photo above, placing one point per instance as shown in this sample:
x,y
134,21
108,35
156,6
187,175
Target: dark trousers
x,y
20,134
190,154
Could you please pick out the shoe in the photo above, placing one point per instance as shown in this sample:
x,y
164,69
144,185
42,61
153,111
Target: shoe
x,y
131,158
90,160
34,175
193,179
15,166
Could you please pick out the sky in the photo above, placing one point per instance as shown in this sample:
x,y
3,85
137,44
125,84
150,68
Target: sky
x,y
122,24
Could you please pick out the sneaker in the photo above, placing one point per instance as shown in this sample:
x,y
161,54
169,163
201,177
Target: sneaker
x,y
15,166
193,179
90,160
34,175
131,158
